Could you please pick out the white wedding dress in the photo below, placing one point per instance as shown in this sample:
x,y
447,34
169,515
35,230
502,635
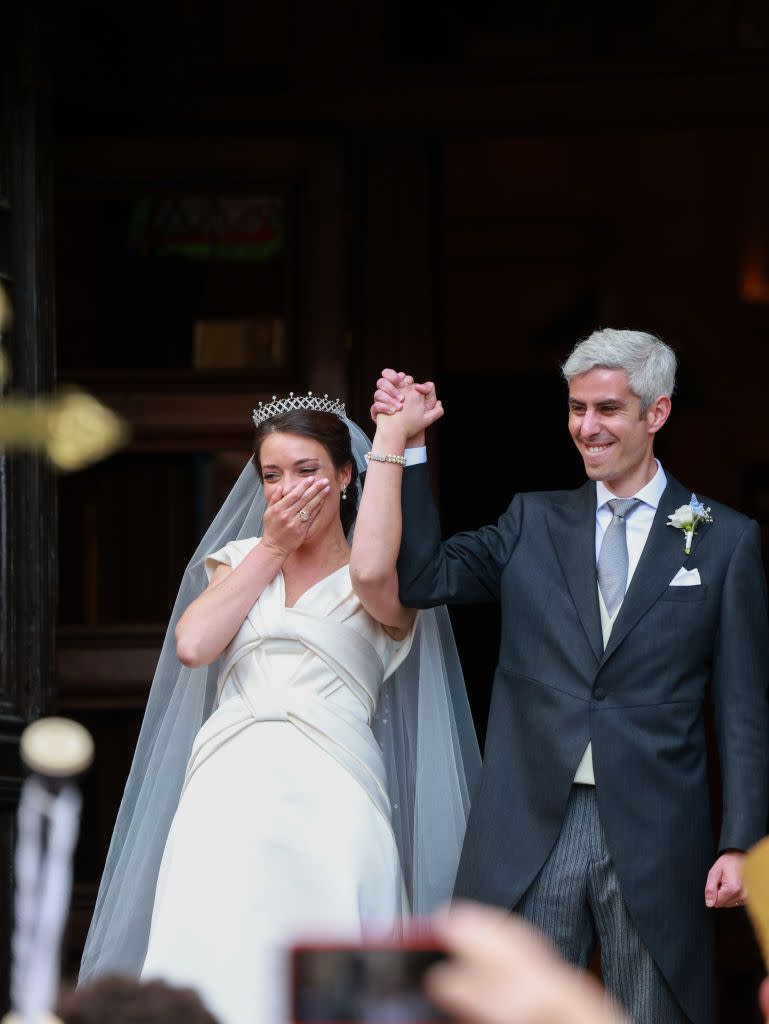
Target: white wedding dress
x,y
283,829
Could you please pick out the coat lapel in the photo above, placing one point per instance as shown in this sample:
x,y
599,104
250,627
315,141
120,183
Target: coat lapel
x,y
572,531
662,556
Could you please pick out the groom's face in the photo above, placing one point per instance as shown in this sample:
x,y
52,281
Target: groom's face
x,y
606,425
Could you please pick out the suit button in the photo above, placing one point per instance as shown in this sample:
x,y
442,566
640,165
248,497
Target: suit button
x,y
599,693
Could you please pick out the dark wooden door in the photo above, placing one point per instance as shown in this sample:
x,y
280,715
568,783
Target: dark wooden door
x,y
27,496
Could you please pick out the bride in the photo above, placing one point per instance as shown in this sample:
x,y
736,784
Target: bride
x,y
281,790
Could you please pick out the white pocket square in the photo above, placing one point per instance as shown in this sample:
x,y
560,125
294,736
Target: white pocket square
x,y
686,578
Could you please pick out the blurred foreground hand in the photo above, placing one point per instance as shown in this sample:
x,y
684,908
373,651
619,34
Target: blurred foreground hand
x,y
763,999
501,971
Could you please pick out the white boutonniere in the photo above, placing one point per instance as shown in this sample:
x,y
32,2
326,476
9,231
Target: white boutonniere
x,y
689,518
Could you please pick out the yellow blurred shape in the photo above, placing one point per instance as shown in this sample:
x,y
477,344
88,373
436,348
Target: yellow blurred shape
x,y
73,428
81,430
755,878
257,344
754,286
6,310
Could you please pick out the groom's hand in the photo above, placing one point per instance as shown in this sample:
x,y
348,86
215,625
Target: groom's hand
x,y
389,396
724,885
407,426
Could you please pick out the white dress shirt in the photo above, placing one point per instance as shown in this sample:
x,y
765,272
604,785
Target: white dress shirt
x,y
637,527
414,456
639,522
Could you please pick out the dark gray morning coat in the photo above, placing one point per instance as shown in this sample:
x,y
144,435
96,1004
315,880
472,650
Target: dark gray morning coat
x,y
640,703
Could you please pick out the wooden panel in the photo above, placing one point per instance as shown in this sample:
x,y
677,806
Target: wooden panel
x,y
131,523
138,268
5,241
187,422
392,299
103,668
510,281
310,171
5,132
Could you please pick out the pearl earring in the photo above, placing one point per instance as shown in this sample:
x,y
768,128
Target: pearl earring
x,y
344,493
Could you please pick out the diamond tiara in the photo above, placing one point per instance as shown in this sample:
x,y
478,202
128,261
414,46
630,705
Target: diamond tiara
x,y
309,402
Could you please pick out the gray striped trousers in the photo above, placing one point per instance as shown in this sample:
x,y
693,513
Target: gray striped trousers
x,y
576,900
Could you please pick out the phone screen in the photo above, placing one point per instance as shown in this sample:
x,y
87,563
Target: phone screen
x,y
382,984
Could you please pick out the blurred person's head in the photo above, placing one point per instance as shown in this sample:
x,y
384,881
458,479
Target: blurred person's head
x,y
115,999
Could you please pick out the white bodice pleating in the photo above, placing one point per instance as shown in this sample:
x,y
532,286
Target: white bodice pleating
x,y
283,828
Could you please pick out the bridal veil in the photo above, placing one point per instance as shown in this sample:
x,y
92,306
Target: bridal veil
x,y
423,725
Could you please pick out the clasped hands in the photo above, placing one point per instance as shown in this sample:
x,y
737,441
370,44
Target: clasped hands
x,y
410,407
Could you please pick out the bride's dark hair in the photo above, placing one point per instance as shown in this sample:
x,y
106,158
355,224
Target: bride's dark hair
x,y
327,429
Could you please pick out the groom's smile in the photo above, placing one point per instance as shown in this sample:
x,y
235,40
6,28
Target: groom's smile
x,y
613,438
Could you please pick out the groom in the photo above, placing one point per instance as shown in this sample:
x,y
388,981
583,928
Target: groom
x,y
592,816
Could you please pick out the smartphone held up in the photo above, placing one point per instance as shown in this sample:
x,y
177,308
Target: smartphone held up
x,y
376,983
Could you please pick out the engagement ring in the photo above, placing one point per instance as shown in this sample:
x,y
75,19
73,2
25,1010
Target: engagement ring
x,y
303,515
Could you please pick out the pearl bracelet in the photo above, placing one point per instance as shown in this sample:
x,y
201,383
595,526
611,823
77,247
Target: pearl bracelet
x,y
399,460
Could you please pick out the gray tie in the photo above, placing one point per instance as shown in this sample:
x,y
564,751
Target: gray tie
x,y
613,559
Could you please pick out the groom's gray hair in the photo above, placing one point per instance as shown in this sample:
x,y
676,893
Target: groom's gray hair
x,y
649,363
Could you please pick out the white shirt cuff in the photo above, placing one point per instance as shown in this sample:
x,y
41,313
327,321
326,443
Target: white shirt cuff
x,y
414,456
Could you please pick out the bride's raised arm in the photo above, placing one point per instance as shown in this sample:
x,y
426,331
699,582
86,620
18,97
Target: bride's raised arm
x,y
378,525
